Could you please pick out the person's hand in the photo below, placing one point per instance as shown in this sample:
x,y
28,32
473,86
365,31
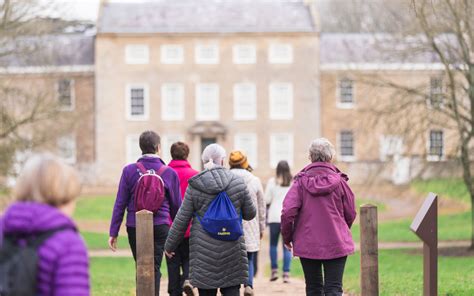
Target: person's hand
x,y
289,246
169,254
113,243
261,235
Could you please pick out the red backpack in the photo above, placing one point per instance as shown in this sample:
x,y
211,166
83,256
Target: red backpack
x,y
150,189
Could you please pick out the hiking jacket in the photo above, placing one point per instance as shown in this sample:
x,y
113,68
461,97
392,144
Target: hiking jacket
x,y
274,196
63,264
128,182
213,263
318,212
185,172
254,227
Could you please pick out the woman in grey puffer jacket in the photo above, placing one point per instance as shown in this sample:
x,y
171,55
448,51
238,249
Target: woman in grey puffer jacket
x,y
213,264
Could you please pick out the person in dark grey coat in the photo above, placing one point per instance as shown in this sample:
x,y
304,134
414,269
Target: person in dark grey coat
x,y
214,264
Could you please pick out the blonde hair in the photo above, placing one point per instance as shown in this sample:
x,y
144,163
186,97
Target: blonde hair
x,y
46,179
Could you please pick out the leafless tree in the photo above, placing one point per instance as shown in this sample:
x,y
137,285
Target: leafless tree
x,y
442,31
29,112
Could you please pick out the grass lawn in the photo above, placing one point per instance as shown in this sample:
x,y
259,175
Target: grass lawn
x,y
450,227
446,188
114,276
401,273
98,241
97,208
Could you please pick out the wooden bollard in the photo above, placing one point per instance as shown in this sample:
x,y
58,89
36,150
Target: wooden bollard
x,y
369,255
145,254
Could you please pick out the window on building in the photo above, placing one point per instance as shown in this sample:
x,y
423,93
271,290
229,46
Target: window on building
x,y
133,148
281,148
247,142
346,145
166,141
390,146
436,145
66,94
172,54
207,54
280,53
281,101
245,101
345,93
207,101
137,102
436,97
67,148
172,101
244,54
136,54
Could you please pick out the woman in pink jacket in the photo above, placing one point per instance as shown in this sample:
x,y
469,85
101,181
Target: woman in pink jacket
x,y
317,214
177,282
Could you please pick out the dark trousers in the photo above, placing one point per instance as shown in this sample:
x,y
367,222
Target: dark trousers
x,y
333,272
160,232
179,262
229,291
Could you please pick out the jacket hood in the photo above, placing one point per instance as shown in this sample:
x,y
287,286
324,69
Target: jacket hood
x,y
27,218
212,181
179,164
246,175
320,178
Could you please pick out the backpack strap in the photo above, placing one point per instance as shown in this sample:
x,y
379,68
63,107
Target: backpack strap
x,y
161,170
141,167
38,240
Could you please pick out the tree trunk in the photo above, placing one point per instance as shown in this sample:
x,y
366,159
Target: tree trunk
x,y
467,177
472,222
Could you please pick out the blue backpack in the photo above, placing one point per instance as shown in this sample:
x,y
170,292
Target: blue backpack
x,y
221,220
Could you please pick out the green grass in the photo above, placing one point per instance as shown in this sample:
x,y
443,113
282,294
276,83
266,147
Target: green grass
x,y
445,188
380,205
97,208
99,241
450,227
401,273
114,276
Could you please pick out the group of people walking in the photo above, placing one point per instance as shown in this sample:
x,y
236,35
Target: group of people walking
x,y
208,224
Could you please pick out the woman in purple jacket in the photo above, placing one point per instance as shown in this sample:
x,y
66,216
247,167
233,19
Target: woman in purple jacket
x,y
317,214
45,199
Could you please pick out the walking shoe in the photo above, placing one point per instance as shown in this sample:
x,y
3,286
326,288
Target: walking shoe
x,y
248,291
274,276
286,277
188,288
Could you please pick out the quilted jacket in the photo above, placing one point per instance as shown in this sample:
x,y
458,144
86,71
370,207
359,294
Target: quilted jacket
x,y
254,227
213,263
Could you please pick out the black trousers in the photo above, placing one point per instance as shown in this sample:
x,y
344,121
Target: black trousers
x,y
160,233
333,273
229,291
179,262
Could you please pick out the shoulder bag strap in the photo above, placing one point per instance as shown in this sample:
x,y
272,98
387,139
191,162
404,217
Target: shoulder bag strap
x,y
141,167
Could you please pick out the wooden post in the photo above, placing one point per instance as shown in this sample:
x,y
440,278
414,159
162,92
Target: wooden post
x,y
145,254
369,261
425,226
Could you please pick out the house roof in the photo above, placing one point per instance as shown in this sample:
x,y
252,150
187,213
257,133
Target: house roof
x,y
48,50
205,16
353,48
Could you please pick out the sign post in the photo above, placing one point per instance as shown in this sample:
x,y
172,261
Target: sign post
x,y
425,226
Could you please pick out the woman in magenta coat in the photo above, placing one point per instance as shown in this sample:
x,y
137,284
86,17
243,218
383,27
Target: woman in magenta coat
x,y
317,214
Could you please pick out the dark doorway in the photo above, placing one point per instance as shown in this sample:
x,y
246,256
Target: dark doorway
x,y
205,141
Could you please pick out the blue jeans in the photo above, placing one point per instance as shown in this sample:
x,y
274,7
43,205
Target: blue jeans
x,y
252,257
274,236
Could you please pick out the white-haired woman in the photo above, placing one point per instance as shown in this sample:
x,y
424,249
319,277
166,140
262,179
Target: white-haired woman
x,y
45,194
214,264
321,237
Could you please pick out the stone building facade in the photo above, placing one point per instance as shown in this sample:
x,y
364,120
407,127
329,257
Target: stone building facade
x,y
192,75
